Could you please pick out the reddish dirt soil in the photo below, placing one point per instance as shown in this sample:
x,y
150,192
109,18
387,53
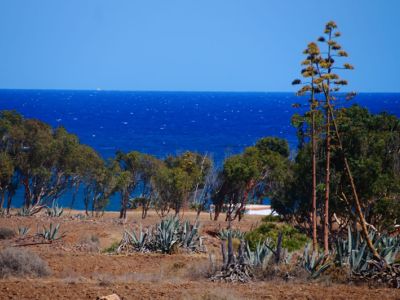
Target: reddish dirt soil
x,y
78,273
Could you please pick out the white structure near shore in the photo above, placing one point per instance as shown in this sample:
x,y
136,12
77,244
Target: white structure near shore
x,y
258,209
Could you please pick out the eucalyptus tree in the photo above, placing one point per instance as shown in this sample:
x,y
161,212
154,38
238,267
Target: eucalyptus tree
x,y
100,183
128,173
6,174
148,169
372,144
11,144
177,179
256,173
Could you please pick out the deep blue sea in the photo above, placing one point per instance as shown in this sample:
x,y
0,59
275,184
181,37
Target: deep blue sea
x,y
161,123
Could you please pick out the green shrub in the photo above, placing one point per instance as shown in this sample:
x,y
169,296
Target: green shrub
x,y
292,239
271,218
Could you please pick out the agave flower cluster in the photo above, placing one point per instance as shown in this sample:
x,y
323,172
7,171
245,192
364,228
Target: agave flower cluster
x,y
165,237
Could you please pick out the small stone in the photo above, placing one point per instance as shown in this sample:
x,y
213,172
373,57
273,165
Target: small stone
x,y
109,297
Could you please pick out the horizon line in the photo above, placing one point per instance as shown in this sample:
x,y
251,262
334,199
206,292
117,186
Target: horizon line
x,y
173,91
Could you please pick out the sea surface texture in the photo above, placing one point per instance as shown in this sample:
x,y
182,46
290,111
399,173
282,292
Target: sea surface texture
x,y
161,123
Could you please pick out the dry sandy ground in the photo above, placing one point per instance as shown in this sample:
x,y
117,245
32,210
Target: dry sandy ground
x,y
80,274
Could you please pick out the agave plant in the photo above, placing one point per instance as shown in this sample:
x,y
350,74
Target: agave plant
x,y
55,210
315,263
355,254
51,233
23,230
260,256
235,233
166,235
138,242
29,211
189,236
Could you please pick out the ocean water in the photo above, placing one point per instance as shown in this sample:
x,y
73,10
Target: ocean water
x,y
162,123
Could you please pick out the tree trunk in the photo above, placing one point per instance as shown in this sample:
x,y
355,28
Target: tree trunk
x,y
3,194
314,185
9,199
27,192
124,203
327,181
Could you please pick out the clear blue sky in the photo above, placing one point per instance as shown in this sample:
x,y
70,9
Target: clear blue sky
x,y
191,45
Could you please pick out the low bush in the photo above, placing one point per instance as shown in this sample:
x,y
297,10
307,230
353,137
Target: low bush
x,y
6,233
21,263
90,243
292,239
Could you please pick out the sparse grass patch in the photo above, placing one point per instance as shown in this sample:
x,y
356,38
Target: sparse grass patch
x,y
112,248
21,263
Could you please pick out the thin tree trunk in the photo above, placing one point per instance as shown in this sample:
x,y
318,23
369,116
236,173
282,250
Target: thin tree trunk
x,y
327,180
314,183
9,199
3,194
124,203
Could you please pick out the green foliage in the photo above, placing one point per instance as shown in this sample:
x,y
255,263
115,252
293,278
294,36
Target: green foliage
x,y
177,179
258,172
371,143
112,248
272,218
47,161
292,239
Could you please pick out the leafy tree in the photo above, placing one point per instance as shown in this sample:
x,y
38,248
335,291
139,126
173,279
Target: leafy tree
x,y
6,174
127,178
135,174
258,172
178,179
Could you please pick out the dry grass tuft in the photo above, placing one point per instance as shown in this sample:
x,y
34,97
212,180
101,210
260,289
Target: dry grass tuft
x,y
90,243
21,263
